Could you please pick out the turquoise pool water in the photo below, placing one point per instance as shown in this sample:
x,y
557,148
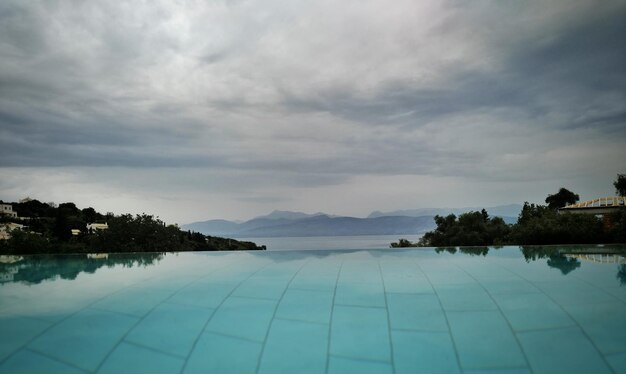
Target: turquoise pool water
x,y
483,310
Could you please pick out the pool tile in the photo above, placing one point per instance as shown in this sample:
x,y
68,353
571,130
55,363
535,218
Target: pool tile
x,y
423,352
85,338
360,333
305,345
311,306
499,371
313,282
203,294
243,317
407,284
510,286
400,268
27,362
597,275
170,328
605,323
440,275
134,301
537,271
362,294
416,312
619,292
265,288
360,272
464,297
613,312
43,307
340,365
223,354
283,270
529,300
575,292
617,362
484,271
320,268
172,282
129,358
532,311
483,339
561,351
17,331
226,276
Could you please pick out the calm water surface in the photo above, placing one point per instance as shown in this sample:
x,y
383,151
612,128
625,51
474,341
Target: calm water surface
x,y
473,310
331,242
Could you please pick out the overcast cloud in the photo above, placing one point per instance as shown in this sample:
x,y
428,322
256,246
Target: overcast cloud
x,y
228,109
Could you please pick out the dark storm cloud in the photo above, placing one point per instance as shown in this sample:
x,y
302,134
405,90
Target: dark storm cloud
x,y
79,87
52,139
263,199
537,77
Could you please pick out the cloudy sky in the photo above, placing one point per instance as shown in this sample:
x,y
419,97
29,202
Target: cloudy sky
x,y
229,109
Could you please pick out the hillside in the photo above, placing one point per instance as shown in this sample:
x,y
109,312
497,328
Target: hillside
x,y
511,211
315,225
45,228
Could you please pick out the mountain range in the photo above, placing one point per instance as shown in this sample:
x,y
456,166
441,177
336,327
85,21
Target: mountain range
x,y
505,211
293,224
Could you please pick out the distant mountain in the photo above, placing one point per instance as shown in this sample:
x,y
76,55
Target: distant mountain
x,y
285,223
284,214
314,225
337,226
508,212
215,227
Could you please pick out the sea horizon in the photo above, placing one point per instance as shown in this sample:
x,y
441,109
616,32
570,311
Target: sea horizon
x,y
306,243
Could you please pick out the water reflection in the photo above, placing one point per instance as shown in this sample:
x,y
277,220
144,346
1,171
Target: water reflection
x,y
564,263
621,274
564,258
472,251
35,269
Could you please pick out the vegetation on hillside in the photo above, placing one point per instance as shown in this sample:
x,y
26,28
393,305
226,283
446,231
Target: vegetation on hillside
x,y
562,198
36,269
536,225
620,185
471,229
49,230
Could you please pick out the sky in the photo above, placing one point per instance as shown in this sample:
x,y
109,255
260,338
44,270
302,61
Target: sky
x,y
193,110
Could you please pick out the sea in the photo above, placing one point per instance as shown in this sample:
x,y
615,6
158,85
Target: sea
x,y
330,242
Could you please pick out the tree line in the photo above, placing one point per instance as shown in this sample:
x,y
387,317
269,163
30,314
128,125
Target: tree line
x,y
536,225
49,230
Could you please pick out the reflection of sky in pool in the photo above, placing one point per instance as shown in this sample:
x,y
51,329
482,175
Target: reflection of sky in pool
x,y
378,311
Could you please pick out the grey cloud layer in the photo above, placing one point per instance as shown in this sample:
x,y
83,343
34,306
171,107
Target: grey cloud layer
x,y
319,88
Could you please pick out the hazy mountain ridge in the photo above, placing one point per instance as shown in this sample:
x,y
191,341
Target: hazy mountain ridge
x,y
339,226
285,214
285,223
510,210
316,225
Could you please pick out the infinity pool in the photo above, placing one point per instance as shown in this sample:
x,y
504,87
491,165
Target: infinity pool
x,y
477,310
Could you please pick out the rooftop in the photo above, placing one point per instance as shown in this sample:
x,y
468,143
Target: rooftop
x,y
601,202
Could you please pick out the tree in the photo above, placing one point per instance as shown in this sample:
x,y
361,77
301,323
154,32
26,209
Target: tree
x,y
403,243
90,215
563,263
562,198
470,229
620,184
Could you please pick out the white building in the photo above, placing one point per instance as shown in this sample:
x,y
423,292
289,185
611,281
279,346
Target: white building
x,y
91,227
7,210
6,228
